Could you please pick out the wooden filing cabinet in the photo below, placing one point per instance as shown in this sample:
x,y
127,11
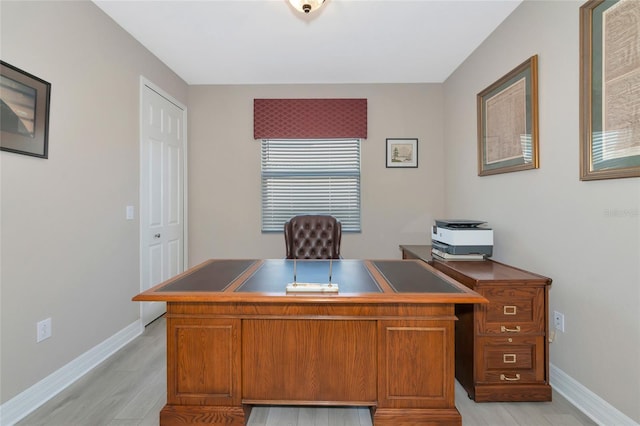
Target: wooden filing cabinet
x,y
502,349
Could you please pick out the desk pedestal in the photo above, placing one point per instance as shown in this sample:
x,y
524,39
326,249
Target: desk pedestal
x,y
224,357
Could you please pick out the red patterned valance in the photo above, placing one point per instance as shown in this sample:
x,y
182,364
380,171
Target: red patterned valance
x,y
309,118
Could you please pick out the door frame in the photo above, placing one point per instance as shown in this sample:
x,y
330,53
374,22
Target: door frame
x,y
148,83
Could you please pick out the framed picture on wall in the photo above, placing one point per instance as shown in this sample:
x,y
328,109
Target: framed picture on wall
x,y
508,122
402,152
24,101
609,89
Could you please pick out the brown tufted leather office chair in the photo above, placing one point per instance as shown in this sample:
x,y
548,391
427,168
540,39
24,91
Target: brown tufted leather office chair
x,y
313,237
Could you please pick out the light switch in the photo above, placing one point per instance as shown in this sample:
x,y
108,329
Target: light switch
x,y
130,212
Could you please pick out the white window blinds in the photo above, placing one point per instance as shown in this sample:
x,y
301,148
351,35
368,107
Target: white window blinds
x,y
310,177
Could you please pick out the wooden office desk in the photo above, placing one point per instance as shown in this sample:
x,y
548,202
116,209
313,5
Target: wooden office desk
x,y
235,339
502,348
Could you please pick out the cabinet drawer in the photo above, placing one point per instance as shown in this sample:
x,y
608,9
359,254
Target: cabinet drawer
x,y
512,311
510,359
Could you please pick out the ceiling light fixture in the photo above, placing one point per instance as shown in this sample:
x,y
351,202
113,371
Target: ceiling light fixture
x,y
306,6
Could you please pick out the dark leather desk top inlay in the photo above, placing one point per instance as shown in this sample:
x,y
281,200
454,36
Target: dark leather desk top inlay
x,y
273,276
411,277
215,276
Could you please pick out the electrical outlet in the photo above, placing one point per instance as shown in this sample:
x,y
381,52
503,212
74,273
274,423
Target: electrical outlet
x,y
558,321
43,330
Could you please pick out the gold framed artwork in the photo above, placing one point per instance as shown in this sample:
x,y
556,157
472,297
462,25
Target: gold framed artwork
x,y
609,89
508,122
24,101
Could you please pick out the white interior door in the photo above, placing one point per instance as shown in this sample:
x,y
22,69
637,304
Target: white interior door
x,y
162,188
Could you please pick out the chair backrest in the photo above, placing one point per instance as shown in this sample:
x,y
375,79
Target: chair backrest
x,y
313,237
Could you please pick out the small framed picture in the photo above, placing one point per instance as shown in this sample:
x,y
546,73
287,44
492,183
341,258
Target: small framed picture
x,y
24,128
402,152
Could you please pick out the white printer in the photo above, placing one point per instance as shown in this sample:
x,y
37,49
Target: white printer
x,y
462,237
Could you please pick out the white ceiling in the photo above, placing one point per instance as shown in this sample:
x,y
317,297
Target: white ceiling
x,y
347,41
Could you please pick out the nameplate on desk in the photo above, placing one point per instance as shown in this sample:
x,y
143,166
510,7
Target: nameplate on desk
x,y
311,288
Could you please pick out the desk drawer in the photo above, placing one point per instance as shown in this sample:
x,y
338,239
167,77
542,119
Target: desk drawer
x,y
511,360
512,311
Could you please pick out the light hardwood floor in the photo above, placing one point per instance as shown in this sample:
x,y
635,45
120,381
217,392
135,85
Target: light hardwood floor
x,y
129,390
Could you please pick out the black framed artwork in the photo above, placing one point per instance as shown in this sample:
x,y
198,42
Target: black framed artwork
x,y
402,153
24,103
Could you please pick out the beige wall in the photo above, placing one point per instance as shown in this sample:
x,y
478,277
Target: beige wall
x,y
67,251
584,235
398,205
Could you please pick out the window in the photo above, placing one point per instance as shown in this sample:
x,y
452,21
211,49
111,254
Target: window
x,y
310,177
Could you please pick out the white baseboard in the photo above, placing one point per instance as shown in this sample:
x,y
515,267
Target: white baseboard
x,y
596,408
24,403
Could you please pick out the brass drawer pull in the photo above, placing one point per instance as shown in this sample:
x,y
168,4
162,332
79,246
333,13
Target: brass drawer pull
x,y
509,358
504,329
510,379
509,310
